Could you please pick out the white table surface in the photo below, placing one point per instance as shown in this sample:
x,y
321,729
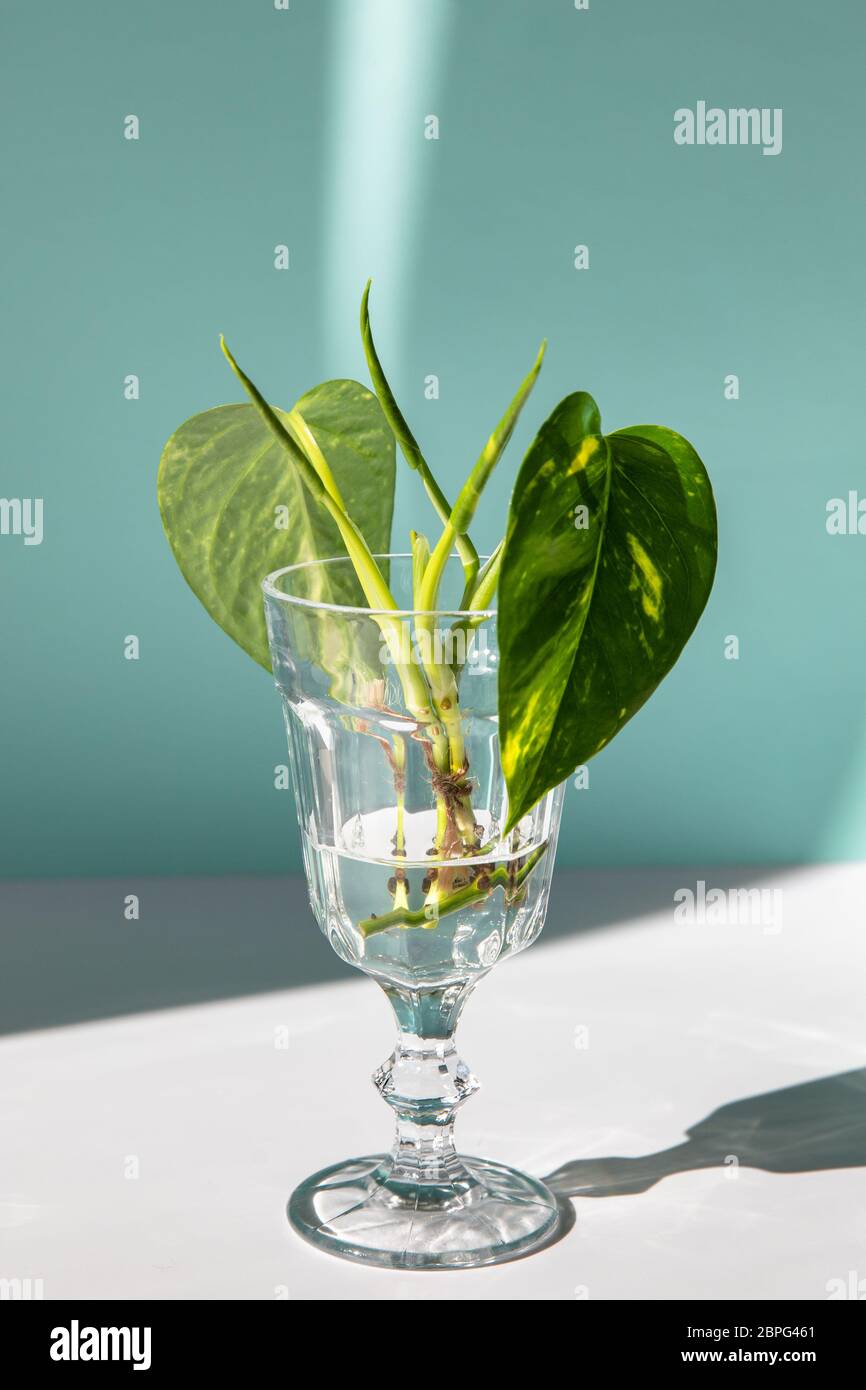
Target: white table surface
x,y
680,1020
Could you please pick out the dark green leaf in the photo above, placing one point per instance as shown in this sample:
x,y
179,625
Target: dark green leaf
x,y
609,560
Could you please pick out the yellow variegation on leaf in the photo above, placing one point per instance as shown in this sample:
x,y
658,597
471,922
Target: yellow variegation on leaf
x,y
609,560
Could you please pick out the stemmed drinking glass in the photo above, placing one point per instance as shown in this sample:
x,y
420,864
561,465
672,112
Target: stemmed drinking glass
x,y
413,881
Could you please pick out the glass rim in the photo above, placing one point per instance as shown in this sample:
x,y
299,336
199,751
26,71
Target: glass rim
x,y
269,588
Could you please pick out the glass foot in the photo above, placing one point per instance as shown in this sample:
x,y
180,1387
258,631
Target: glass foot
x,y
366,1209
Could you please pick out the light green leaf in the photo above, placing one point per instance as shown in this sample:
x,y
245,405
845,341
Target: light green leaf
x,y
609,560
223,476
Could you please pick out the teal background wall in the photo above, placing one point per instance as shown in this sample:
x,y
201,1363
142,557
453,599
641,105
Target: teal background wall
x,y
306,127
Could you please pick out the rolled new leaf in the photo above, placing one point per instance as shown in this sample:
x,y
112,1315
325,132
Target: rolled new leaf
x,y
609,560
420,556
470,494
409,445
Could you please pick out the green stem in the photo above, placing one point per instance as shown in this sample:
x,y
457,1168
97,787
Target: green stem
x,y
401,887
376,591
444,693
479,602
474,892
309,445
443,689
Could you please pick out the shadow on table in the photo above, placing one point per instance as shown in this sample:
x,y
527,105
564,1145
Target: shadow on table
x,y
68,954
801,1129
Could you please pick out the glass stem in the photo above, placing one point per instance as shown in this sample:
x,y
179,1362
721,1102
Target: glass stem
x,y
424,1081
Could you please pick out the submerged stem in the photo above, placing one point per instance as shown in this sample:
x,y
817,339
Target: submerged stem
x,y
505,876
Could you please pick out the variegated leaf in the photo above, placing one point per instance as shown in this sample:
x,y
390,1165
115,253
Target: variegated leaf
x,y
609,560
223,476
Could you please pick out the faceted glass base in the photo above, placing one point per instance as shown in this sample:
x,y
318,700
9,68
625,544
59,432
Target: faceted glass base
x,y
365,1209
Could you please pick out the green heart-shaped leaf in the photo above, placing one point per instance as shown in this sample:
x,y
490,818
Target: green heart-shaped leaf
x,y
223,477
609,560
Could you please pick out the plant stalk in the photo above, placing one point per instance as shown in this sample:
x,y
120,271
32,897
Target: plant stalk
x,y
370,577
475,892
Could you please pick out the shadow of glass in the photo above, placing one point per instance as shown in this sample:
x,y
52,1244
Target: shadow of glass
x,y
802,1129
